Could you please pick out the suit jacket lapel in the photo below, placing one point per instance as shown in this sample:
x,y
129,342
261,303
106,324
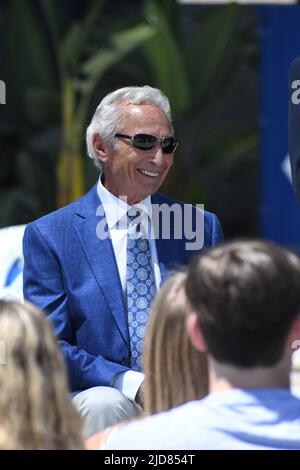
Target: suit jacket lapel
x,y
163,246
89,220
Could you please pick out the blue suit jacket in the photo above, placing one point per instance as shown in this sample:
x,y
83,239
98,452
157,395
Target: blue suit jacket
x,y
72,275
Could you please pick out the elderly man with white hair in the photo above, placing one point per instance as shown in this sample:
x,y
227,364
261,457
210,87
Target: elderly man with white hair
x,y
95,265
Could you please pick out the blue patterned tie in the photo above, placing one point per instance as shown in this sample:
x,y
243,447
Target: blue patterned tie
x,y
140,287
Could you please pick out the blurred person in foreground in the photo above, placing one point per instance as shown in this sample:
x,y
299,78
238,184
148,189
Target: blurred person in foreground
x,y
96,264
36,411
175,371
245,312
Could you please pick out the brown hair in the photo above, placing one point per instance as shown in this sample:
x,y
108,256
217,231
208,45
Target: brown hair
x,y
36,411
246,295
175,372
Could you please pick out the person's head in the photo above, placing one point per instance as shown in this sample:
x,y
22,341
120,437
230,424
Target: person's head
x,y
246,299
36,411
134,167
175,372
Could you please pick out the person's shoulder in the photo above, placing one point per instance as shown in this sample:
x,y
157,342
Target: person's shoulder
x,y
150,432
160,199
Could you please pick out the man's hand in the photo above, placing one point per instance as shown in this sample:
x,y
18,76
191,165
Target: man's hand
x,y
140,396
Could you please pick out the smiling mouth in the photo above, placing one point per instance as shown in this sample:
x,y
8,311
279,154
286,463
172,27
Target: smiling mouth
x,y
152,174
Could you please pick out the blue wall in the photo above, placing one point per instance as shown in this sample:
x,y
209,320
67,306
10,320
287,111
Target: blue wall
x,y
280,44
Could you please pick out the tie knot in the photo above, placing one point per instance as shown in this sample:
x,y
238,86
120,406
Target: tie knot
x,y
133,213
134,222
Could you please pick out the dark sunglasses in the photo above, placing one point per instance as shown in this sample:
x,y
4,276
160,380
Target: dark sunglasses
x,y
147,142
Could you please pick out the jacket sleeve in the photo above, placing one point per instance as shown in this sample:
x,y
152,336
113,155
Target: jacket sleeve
x,y
44,287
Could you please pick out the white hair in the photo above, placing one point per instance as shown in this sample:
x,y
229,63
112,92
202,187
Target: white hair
x,y
107,118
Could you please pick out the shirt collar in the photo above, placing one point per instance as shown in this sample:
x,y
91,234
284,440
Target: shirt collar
x,y
115,208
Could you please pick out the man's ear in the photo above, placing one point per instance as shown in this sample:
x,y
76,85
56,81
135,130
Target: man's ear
x,y
100,148
194,332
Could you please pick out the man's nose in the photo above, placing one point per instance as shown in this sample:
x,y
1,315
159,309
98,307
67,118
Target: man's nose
x,y
158,155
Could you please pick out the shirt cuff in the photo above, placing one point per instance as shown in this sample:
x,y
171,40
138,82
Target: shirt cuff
x,y
128,383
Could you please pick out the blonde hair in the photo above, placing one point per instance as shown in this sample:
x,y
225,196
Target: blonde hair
x,y
175,372
36,411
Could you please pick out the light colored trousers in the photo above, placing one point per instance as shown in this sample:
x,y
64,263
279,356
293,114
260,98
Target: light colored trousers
x,y
103,406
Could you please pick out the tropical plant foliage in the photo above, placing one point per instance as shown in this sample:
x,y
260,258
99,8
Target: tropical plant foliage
x,y
59,67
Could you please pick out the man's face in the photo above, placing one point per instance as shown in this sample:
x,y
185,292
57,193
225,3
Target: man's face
x,y
125,167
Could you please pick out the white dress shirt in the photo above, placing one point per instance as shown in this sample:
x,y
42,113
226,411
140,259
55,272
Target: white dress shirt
x,y
115,209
